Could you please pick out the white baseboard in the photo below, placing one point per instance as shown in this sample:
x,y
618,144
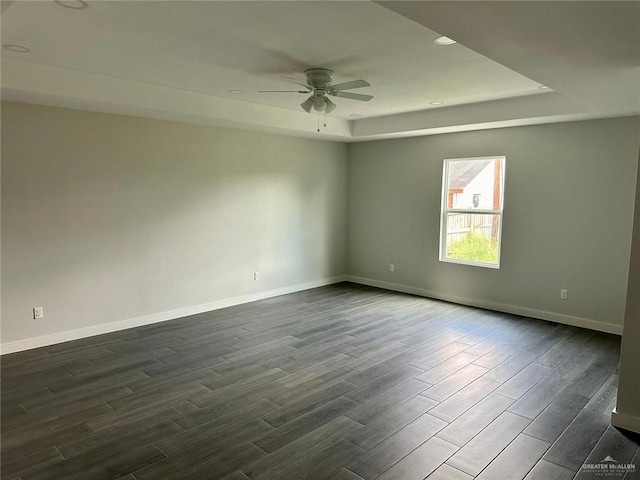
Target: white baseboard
x,y
626,421
499,307
35,342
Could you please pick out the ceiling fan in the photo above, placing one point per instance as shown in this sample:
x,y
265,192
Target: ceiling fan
x,y
320,87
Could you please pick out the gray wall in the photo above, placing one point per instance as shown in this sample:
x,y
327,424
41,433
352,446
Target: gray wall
x,y
569,194
107,218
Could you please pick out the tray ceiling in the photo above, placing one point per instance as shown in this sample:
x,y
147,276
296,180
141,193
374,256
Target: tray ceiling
x,y
179,59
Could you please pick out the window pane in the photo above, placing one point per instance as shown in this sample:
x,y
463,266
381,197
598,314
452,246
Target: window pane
x,y
475,184
473,237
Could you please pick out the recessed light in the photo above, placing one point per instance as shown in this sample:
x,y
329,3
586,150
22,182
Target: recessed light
x,y
437,102
17,48
355,115
74,4
236,92
543,87
444,41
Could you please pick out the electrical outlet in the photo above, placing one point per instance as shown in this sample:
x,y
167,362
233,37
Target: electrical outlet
x,y
392,268
564,294
38,312
256,275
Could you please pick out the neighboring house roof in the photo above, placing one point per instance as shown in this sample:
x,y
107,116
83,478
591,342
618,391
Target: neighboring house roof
x,y
462,173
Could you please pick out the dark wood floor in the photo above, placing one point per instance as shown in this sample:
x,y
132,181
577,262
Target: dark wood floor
x,y
342,383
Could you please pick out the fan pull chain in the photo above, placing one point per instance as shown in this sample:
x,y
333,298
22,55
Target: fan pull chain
x,y
324,120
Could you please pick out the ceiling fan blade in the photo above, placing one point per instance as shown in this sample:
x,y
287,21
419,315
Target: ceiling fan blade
x,y
353,96
350,85
284,91
291,79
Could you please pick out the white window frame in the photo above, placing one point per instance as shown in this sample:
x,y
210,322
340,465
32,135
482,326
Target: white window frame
x,y
445,210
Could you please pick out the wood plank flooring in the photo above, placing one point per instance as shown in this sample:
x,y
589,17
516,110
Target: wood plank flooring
x,y
342,382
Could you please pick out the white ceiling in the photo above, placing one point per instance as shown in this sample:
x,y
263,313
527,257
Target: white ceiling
x,y
178,59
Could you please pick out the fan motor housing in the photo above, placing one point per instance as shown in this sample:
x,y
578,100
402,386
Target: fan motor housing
x,y
319,78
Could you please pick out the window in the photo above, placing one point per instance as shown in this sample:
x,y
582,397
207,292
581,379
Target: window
x,y
471,221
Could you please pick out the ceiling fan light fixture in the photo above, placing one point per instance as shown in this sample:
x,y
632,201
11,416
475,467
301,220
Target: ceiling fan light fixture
x,y
319,104
330,106
442,40
307,105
